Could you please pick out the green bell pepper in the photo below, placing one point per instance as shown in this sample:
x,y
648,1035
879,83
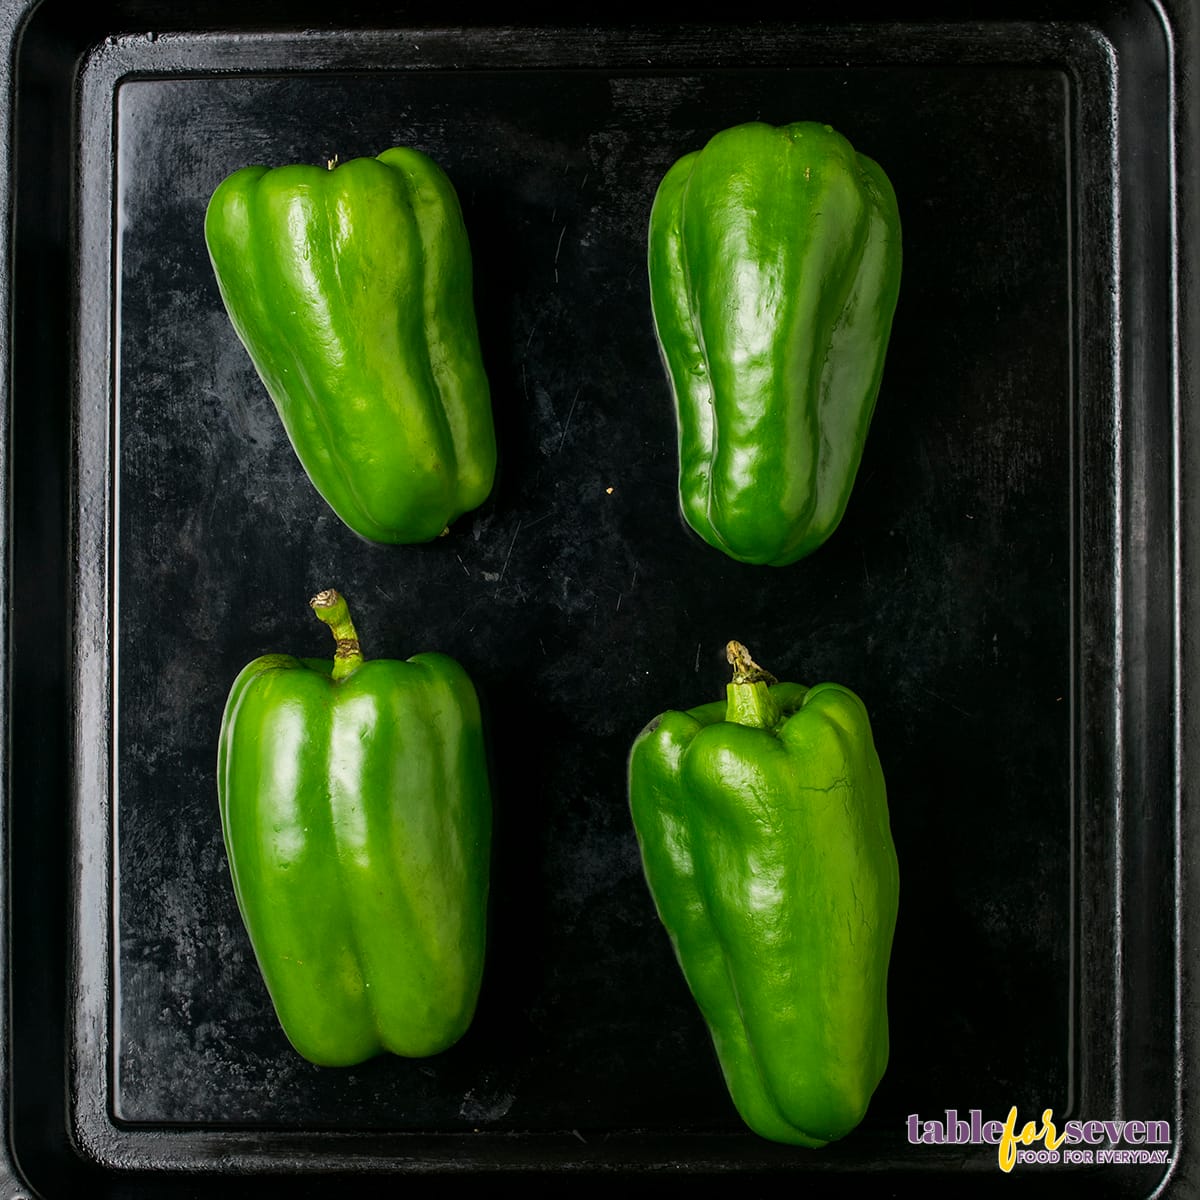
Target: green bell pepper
x,y
351,290
356,813
763,827
774,264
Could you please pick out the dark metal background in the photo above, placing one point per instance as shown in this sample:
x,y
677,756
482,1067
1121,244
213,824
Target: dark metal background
x,y
1004,592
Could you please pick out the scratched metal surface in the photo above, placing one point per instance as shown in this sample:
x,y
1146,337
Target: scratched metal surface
x,y
575,597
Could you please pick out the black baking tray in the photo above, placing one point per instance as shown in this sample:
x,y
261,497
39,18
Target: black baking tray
x,y
1008,591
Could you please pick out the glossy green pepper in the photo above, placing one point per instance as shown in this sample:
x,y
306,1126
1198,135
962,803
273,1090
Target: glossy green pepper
x,y
763,826
356,812
774,263
351,290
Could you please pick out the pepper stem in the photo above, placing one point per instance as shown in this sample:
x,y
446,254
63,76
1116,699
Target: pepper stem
x,y
745,669
748,696
330,607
